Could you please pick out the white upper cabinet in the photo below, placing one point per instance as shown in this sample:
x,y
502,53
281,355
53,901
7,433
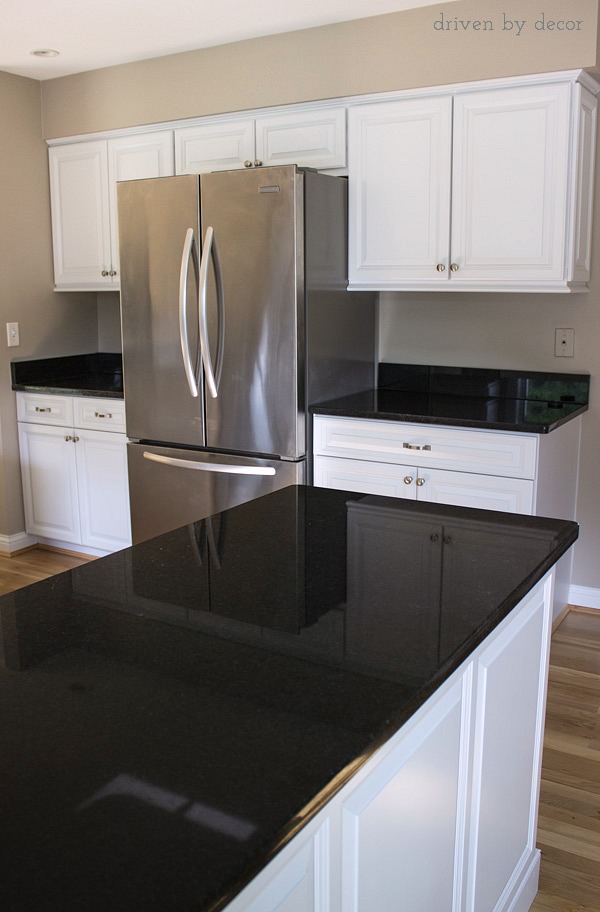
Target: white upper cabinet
x,y
399,189
312,137
215,146
83,178
478,189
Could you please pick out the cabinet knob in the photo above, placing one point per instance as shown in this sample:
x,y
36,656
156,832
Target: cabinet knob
x,y
247,164
407,479
105,272
447,539
440,267
454,267
112,272
68,438
434,537
420,482
257,163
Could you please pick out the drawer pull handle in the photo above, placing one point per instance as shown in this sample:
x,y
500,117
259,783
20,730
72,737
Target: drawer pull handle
x,y
102,415
414,446
407,479
40,409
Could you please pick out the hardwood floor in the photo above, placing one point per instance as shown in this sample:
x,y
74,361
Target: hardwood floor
x,y
31,566
569,817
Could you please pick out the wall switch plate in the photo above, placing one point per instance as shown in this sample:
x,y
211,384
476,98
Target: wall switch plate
x,y
564,343
12,334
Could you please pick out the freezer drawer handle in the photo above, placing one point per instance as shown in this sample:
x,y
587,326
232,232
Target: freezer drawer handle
x,y
210,467
209,251
188,250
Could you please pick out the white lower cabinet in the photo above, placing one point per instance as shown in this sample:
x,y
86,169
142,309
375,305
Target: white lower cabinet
x,y
532,474
75,487
443,816
487,469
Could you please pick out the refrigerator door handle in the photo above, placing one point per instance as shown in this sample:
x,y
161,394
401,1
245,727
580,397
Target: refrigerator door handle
x,y
188,249
209,251
210,467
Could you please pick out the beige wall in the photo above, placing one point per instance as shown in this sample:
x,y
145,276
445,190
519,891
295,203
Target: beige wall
x,y
383,53
49,323
378,54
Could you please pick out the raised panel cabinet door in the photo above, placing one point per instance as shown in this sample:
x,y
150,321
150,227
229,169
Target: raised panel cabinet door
x,y
399,160
483,492
314,138
80,214
399,827
103,489
132,158
49,479
510,185
510,687
218,146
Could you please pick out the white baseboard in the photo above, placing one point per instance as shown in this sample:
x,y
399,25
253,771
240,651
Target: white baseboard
x,y
10,544
584,597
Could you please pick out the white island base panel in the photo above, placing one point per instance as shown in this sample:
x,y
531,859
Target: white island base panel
x,y
443,816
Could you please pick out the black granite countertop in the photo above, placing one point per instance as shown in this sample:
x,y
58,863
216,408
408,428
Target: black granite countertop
x,y
506,400
168,711
98,374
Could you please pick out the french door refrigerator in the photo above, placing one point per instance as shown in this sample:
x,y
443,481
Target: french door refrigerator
x,y
235,320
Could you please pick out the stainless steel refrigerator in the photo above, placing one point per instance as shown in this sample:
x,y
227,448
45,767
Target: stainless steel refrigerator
x,y
235,320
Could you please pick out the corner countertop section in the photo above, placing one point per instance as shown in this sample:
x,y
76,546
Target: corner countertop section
x,y
168,713
506,400
99,374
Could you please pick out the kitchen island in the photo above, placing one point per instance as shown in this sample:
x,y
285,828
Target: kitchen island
x,y
315,698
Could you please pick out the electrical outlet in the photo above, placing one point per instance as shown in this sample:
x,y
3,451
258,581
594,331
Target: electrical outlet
x,y
12,334
564,343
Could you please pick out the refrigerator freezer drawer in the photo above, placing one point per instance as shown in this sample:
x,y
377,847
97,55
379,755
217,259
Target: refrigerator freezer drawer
x,y
171,487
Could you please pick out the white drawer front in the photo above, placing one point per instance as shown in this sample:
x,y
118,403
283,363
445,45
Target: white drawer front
x,y
482,492
100,414
44,408
462,449
364,477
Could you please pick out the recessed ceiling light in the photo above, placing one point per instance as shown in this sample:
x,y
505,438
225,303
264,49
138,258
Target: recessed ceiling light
x,y
45,52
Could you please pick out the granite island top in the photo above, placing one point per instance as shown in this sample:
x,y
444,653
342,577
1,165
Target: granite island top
x,y
171,711
508,400
98,374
